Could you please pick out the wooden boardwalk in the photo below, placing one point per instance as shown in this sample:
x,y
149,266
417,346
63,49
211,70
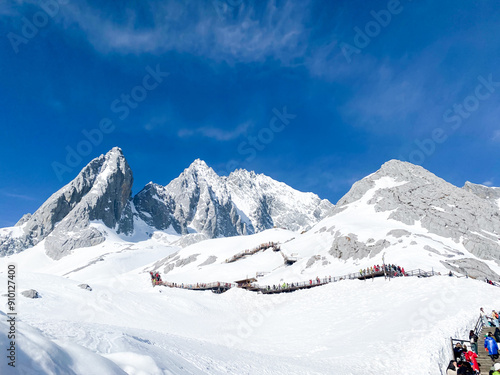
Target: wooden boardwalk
x,y
216,287
220,286
263,247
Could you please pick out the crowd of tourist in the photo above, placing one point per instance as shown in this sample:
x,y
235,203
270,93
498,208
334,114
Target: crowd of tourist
x,y
465,359
155,278
490,282
389,269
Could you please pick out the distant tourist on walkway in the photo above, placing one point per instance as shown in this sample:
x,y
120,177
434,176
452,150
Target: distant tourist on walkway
x,y
452,368
464,368
471,357
497,334
484,318
494,317
491,346
457,351
496,368
473,341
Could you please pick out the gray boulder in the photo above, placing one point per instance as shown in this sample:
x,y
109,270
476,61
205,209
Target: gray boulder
x,y
30,293
85,286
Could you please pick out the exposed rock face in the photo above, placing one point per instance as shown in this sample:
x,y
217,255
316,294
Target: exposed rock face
x,y
490,193
243,203
101,191
267,203
346,247
472,267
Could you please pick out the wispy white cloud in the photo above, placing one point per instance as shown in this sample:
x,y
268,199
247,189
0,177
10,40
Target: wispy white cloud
x,y
247,35
215,133
496,136
17,196
487,183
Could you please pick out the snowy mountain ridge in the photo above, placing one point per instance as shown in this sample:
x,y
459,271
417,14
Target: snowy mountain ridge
x,y
402,212
198,201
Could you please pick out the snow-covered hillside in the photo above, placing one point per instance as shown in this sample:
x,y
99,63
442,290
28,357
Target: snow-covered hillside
x,y
124,325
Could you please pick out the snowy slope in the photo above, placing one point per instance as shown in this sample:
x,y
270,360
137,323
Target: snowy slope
x,y
124,324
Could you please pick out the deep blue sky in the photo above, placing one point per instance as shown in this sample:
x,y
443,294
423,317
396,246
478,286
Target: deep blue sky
x,y
230,64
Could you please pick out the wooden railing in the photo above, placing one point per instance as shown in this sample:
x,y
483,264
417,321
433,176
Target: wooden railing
x,y
283,287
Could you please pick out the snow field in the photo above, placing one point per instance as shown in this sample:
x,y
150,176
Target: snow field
x,y
387,326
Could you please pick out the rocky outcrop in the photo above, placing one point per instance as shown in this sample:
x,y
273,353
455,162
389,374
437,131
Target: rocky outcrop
x,y
30,293
471,267
85,286
347,247
441,208
491,194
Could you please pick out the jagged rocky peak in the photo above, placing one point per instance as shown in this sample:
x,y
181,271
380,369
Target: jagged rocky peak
x,y
201,201
101,191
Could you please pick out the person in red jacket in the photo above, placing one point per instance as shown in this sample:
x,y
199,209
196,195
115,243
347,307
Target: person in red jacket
x,y
471,357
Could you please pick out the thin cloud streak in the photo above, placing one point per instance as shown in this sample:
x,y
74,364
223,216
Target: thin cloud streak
x,y
215,133
18,196
188,27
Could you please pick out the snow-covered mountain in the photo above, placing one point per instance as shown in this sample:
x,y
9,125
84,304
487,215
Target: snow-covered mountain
x,y
198,201
101,191
402,212
243,203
